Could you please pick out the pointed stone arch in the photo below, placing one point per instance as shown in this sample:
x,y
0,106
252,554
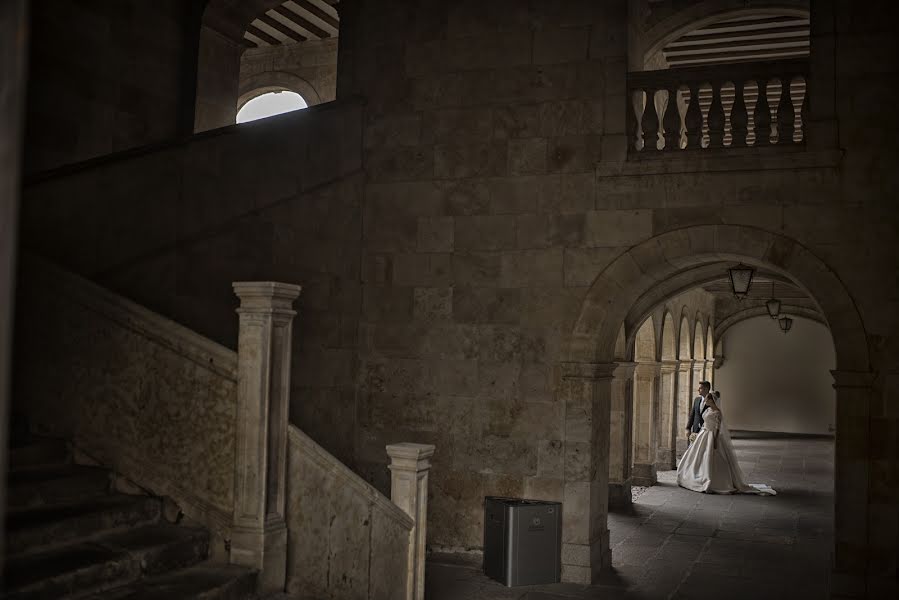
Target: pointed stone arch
x,y
651,271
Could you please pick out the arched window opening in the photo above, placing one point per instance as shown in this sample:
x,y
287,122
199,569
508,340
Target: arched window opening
x,y
269,105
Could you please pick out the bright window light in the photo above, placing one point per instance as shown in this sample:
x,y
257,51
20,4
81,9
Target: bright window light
x,y
270,104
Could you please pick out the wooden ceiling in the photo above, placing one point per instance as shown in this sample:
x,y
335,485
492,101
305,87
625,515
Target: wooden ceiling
x,y
742,39
294,21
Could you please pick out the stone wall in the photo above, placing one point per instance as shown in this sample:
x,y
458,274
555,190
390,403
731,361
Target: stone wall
x,y
487,218
124,76
775,382
307,68
171,229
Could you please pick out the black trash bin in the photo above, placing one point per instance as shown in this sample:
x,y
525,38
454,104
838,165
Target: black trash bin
x,y
522,541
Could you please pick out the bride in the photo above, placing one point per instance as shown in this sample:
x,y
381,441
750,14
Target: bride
x,y
710,463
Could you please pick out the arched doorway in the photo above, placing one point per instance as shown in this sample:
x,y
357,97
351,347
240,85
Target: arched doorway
x,y
681,259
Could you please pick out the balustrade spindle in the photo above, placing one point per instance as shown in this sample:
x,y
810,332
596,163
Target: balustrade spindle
x,y
762,115
786,113
650,123
716,118
803,113
672,121
693,119
739,117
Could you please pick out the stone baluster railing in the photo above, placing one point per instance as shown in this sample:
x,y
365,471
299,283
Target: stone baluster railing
x,y
722,106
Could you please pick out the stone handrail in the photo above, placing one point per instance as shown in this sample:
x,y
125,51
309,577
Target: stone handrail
x,y
184,417
721,106
135,390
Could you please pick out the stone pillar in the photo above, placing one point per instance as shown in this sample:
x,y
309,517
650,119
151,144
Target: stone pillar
x,y
13,50
685,395
666,455
586,391
259,537
646,410
852,477
710,371
409,467
620,435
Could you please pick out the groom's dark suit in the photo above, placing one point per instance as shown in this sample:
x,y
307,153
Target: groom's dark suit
x,y
694,423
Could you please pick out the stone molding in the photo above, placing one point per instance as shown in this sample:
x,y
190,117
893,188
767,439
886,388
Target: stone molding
x,y
727,160
853,379
589,371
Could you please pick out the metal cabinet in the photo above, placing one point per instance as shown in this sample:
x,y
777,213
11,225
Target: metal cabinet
x,y
522,540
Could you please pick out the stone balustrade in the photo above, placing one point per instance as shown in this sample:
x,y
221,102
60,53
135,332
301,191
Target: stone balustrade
x,y
721,106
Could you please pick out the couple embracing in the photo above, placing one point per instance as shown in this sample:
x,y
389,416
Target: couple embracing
x,y
710,463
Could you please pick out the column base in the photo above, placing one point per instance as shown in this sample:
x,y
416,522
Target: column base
x,y
620,494
644,475
264,549
666,460
584,564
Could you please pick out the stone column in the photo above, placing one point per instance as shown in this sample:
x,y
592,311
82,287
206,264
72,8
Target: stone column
x,y
586,391
646,410
620,435
685,395
666,455
710,371
852,478
409,467
259,537
13,50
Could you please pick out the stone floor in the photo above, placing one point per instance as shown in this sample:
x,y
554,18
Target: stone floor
x,y
683,545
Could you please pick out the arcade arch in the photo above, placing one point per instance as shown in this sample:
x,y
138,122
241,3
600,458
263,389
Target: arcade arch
x,y
677,260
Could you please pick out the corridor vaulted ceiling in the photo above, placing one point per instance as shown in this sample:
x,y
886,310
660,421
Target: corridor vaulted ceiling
x,y
293,21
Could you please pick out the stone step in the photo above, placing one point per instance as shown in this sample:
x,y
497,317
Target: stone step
x,y
37,452
205,581
105,562
55,484
44,527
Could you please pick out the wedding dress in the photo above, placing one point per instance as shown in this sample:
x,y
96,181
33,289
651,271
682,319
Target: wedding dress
x,y
704,468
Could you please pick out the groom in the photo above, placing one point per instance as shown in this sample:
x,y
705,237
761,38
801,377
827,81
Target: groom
x,y
694,422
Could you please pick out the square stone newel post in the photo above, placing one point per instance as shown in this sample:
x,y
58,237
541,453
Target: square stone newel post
x,y
259,538
409,466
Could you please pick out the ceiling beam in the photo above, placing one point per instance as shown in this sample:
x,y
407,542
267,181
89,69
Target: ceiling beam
x,y
319,12
287,32
734,57
307,20
742,44
261,36
739,35
766,23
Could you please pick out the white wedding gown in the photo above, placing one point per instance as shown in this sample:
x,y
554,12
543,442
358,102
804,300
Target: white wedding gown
x,y
704,468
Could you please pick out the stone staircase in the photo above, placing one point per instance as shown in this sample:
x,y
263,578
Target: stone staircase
x,y
69,536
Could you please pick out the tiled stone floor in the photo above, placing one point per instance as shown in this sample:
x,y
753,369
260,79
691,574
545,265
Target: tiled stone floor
x,y
683,545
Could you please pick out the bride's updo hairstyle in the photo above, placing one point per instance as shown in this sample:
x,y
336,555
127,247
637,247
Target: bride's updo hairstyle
x,y
717,395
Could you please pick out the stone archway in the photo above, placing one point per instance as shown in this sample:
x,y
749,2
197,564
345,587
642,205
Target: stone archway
x,y
274,81
644,273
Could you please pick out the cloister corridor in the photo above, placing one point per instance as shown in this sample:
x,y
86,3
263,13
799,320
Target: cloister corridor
x,y
677,544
